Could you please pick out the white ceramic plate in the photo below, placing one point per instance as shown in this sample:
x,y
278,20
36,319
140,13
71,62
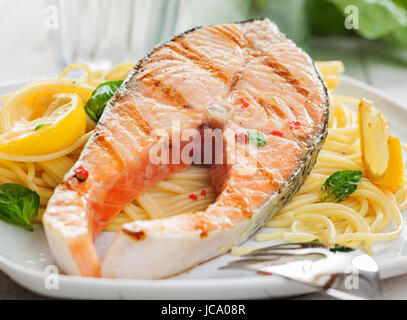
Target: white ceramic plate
x,y
26,258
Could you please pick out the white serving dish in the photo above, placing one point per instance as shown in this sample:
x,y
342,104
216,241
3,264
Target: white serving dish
x,y
24,256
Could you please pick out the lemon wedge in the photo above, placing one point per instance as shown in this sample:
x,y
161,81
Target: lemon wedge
x,y
374,133
394,173
381,153
60,122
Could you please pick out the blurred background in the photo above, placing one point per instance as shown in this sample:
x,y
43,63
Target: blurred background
x,y
40,37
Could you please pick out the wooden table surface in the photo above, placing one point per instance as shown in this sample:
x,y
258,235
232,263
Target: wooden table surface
x,y
26,53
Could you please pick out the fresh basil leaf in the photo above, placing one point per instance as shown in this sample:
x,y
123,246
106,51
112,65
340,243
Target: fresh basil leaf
x,y
341,249
102,94
41,126
18,205
336,248
340,185
256,138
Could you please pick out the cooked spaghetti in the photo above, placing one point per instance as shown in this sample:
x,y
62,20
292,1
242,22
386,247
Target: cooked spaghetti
x,y
362,218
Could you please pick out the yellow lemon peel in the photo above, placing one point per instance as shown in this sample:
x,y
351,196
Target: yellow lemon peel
x,y
60,124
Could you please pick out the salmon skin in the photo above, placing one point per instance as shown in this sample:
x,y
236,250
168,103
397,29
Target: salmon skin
x,y
232,77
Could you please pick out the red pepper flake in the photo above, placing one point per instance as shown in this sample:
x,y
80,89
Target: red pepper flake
x,y
262,273
81,173
277,133
294,125
240,136
244,103
193,197
203,192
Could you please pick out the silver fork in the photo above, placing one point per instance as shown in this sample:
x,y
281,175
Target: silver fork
x,y
343,275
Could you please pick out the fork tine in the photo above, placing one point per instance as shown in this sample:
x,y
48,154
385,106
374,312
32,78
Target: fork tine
x,y
247,263
242,263
287,252
292,246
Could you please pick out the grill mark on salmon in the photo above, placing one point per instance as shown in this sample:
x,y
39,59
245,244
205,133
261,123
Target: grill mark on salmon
x,y
109,152
165,90
283,72
132,112
138,236
270,108
160,96
234,81
180,47
144,74
157,91
230,34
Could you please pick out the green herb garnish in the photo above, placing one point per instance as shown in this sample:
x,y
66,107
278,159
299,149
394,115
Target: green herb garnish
x,y
340,185
102,94
41,126
18,205
336,248
341,249
256,138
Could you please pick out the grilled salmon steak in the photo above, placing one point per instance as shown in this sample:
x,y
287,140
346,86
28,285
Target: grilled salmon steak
x,y
232,77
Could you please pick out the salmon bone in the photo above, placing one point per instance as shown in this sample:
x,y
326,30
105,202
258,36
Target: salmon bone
x,y
218,113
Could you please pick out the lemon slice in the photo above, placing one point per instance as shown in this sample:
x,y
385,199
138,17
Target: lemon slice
x,y
62,122
374,136
32,99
